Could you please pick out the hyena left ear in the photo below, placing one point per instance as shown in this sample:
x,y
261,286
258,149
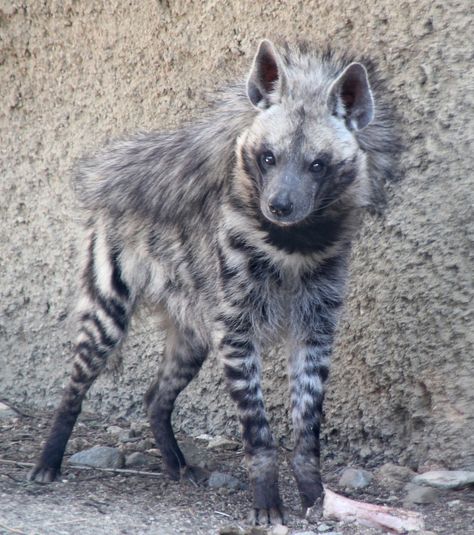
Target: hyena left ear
x,y
350,96
266,78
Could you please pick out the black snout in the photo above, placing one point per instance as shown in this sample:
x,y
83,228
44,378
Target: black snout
x,y
280,205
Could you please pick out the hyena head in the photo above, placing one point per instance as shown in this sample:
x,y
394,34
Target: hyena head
x,y
301,156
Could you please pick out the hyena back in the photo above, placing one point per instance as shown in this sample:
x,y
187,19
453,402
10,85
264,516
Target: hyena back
x,y
238,227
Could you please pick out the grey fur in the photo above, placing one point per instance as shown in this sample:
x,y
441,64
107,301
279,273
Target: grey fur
x,y
238,228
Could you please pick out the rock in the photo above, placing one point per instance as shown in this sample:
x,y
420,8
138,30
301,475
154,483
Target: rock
x,y
137,459
304,533
219,480
222,443
454,503
99,457
280,530
322,528
446,479
114,430
6,412
393,476
417,494
204,437
138,428
231,530
355,478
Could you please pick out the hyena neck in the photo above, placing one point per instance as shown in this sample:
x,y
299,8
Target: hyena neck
x,y
293,252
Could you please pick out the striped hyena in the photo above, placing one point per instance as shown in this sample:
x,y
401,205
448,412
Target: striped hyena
x,y
239,228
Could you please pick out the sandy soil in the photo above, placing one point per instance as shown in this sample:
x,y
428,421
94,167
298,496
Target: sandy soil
x,y
96,502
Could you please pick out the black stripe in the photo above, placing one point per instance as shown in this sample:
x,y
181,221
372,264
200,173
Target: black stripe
x,y
244,345
105,339
118,283
112,307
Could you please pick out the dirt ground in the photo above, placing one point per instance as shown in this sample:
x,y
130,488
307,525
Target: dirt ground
x,y
97,502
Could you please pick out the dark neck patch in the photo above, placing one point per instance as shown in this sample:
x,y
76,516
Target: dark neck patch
x,y
312,237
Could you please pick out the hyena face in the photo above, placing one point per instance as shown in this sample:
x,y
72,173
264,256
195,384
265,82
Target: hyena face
x,y
301,154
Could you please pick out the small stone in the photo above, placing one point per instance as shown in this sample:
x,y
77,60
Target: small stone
x,y
204,437
322,528
146,444
231,530
137,428
114,430
446,479
355,478
454,503
304,533
219,480
154,451
99,457
222,443
280,530
137,458
393,476
6,412
421,495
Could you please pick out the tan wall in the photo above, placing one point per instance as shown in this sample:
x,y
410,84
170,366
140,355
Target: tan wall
x,y
73,73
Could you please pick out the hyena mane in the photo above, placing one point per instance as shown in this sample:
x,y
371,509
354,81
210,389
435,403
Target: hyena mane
x,y
238,228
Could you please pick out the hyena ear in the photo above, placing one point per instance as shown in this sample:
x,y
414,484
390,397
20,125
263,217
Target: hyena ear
x,y
266,78
350,96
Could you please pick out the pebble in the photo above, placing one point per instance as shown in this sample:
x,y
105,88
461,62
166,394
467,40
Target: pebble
x,y
446,479
304,533
421,495
322,528
99,457
393,476
454,503
6,412
231,530
219,480
280,530
355,478
137,458
222,443
114,430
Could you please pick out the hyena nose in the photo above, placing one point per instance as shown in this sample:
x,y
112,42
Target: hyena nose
x,y
280,205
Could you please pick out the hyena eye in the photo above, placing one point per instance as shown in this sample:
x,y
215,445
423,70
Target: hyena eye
x,y
267,159
318,167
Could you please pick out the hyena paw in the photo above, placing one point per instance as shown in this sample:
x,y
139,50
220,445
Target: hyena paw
x,y
308,480
267,504
43,474
194,474
310,492
272,516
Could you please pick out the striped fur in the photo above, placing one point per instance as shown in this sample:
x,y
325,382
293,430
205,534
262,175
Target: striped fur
x,y
238,228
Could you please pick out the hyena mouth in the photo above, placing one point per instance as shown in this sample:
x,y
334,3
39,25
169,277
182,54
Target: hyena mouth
x,y
283,214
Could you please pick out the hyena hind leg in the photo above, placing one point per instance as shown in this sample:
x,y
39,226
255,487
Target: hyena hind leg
x,y
103,321
183,357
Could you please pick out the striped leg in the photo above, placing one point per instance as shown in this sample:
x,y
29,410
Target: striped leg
x,y
308,372
242,371
183,358
104,313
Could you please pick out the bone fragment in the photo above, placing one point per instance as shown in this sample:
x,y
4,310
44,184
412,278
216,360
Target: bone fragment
x,y
389,519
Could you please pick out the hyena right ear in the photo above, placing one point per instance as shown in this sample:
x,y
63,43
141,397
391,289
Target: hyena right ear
x,y
350,96
266,78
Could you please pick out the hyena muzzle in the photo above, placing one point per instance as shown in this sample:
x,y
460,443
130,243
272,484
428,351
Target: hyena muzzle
x,y
238,229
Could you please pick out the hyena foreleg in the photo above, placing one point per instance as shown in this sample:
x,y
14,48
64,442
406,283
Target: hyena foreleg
x,y
308,371
105,309
183,357
242,371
